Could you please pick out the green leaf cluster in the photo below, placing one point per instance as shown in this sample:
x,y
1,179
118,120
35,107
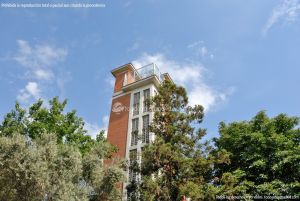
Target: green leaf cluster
x,y
249,158
68,127
45,154
176,163
264,156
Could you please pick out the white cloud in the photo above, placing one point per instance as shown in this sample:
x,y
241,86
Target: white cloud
x,y
93,129
135,45
201,50
43,74
31,90
204,51
105,120
287,11
38,56
181,73
47,55
40,61
195,44
188,74
203,95
207,96
25,48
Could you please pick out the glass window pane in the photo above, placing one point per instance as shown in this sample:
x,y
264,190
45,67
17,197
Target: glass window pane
x,y
146,100
134,131
145,134
136,103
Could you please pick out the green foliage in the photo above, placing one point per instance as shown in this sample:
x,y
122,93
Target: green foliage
x,y
68,127
37,170
264,155
45,154
102,178
256,157
176,164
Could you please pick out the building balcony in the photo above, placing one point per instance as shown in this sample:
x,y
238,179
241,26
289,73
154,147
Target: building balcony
x,y
129,78
147,71
143,73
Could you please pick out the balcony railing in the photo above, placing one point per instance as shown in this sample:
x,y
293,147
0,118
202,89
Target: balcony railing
x,y
147,71
143,72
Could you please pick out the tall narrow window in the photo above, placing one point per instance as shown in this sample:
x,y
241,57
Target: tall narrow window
x,y
132,163
134,131
145,134
142,161
146,100
125,80
136,103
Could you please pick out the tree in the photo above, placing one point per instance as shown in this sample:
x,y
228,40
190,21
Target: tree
x,y
39,170
176,163
45,154
68,127
102,178
264,156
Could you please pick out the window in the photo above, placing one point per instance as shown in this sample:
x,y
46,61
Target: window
x,y
134,131
142,152
145,134
125,79
142,161
146,100
133,174
132,163
136,103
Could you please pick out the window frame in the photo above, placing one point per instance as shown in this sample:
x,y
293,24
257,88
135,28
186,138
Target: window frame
x,y
145,129
136,103
134,131
146,95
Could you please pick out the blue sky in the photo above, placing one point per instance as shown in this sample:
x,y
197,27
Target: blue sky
x,y
234,57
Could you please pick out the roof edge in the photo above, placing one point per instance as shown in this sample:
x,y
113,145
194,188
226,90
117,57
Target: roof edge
x,y
122,68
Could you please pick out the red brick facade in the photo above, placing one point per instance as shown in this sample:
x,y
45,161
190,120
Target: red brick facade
x,y
119,82
120,79
118,124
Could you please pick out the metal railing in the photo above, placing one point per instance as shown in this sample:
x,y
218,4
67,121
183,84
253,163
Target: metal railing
x,y
143,72
147,71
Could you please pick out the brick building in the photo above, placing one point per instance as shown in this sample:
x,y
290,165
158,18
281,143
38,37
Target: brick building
x,y
130,115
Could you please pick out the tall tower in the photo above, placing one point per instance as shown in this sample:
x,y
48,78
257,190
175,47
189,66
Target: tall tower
x,y
130,115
